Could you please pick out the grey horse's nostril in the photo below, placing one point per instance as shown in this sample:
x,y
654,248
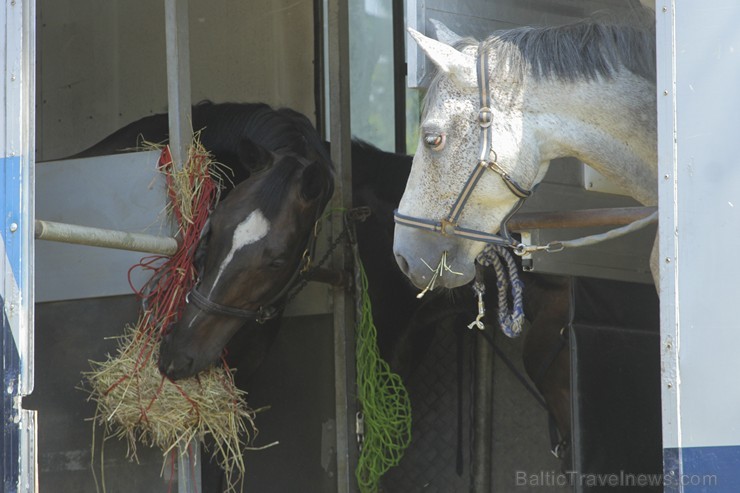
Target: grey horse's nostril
x,y
402,263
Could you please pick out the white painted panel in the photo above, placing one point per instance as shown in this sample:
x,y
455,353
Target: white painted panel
x,y
704,168
593,181
123,192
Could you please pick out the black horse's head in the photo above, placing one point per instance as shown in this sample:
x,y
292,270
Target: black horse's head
x,y
248,256
281,178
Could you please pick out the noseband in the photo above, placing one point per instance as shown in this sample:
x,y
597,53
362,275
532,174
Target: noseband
x,y
448,226
264,313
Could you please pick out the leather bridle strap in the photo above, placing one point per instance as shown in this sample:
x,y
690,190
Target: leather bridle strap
x,y
448,229
448,226
262,314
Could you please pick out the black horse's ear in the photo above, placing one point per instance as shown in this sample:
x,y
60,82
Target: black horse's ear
x,y
253,156
313,181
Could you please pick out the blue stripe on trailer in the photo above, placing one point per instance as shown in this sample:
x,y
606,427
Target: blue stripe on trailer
x,y
11,203
702,469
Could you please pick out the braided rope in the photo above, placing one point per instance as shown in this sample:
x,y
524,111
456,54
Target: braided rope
x,y
510,318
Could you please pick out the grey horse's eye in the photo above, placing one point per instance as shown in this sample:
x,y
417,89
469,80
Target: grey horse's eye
x,y
434,141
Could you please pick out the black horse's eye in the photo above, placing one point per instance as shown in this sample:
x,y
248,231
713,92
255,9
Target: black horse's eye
x,y
434,141
277,263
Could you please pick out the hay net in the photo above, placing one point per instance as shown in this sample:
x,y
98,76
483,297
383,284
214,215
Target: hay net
x,y
134,401
384,401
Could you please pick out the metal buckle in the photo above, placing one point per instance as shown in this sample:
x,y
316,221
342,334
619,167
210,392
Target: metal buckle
x,y
447,227
485,117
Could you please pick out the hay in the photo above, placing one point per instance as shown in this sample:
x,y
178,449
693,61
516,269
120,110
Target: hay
x,y
134,401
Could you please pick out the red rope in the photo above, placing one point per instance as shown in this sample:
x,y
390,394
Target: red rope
x,y
173,277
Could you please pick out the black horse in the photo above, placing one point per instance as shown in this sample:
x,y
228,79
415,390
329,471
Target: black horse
x,y
250,253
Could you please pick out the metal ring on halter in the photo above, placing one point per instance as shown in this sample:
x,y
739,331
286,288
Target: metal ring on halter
x,y
492,164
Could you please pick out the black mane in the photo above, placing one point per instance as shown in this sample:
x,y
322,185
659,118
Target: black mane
x,y
222,126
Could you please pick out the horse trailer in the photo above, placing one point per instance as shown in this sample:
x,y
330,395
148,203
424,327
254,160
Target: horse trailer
x,y
619,382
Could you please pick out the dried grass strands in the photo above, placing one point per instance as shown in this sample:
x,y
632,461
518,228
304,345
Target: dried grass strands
x,y
134,401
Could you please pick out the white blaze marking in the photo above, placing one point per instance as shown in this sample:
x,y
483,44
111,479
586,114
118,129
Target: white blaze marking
x,y
252,229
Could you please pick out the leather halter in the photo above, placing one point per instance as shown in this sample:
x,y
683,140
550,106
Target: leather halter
x,y
448,226
269,309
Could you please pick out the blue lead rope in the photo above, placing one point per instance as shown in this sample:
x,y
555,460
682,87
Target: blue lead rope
x,y
510,287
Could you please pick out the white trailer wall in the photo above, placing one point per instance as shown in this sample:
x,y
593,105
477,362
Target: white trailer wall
x,y
698,120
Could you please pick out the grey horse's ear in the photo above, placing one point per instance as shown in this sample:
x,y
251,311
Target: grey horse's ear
x,y
458,66
444,33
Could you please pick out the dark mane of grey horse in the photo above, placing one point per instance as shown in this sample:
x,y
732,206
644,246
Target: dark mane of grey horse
x,y
585,50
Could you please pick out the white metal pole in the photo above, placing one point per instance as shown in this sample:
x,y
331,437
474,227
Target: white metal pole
x,y
106,238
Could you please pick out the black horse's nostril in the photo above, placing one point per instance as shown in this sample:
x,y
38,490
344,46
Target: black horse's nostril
x,y
402,263
163,365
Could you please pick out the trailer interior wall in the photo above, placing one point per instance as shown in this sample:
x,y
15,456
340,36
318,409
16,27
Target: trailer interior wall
x,y
102,65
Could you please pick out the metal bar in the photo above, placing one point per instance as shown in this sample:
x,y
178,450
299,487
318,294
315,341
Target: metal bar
x,y
106,238
482,417
18,461
399,75
319,67
178,78
181,136
585,218
344,314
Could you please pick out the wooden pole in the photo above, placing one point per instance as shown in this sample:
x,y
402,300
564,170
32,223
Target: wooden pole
x,y
585,218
